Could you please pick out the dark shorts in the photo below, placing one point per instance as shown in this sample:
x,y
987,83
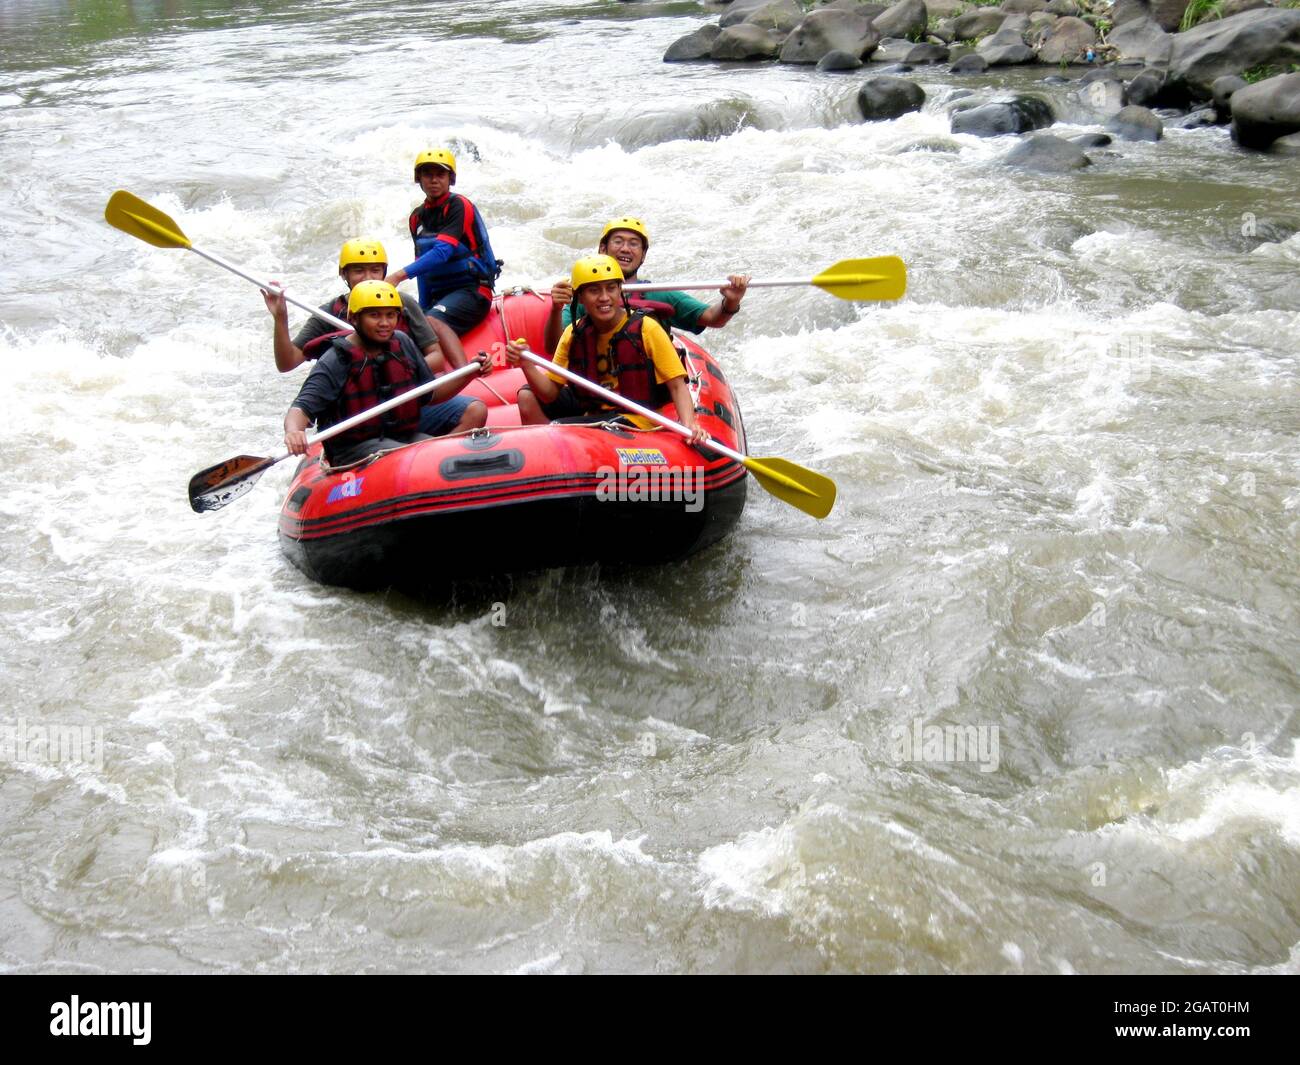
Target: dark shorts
x,y
438,419
462,309
566,408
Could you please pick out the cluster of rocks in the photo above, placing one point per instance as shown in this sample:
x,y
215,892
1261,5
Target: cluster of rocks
x,y
1141,60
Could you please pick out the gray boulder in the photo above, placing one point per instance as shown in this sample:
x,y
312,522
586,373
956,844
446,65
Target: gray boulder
x,y
1047,154
945,8
977,23
1022,7
922,54
1063,7
1222,89
1040,22
839,61
1205,116
1251,39
971,63
1141,39
1091,140
829,29
783,15
1136,124
695,45
867,10
1009,55
892,50
907,18
1123,11
1018,115
1265,111
886,97
744,41
1104,97
1146,87
1067,41
1167,14
1236,7
1288,146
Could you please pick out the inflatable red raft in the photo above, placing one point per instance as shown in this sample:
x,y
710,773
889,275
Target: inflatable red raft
x,y
509,498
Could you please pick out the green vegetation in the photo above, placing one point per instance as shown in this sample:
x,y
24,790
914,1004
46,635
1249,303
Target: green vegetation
x,y
1265,70
1199,11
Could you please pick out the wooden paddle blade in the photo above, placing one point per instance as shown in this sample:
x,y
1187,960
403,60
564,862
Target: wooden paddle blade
x,y
213,488
132,215
791,483
881,278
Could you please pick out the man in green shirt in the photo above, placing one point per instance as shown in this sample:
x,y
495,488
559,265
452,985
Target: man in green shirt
x,y
627,241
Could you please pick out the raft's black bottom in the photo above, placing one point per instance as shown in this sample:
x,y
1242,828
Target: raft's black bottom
x,y
438,550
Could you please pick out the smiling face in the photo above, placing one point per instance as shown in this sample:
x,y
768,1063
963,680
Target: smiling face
x,y
356,273
435,180
627,249
377,324
603,300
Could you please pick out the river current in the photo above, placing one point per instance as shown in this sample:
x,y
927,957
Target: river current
x,y
1066,533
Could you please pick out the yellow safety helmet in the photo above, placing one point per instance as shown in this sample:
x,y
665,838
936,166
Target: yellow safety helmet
x,y
370,295
627,222
436,157
362,253
595,268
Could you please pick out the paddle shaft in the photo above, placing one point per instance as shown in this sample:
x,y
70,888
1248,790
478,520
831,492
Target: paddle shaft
x,y
656,286
636,408
273,289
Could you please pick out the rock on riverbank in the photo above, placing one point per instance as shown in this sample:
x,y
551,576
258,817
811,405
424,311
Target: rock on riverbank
x,y
1150,53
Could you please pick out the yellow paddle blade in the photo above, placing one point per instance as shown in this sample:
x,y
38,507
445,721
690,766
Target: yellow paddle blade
x,y
132,215
791,483
881,278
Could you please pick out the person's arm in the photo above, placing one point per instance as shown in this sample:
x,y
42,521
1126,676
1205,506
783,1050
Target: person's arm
x,y
287,354
544,386
722,312
670,372
444,392
446,246
561,295
296,423
681,396
318,393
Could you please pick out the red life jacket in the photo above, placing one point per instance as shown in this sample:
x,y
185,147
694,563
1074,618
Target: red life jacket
x,y
629,362
374,379
317,346
661,312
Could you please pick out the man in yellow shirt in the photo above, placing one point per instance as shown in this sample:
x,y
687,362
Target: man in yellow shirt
x,y
627,353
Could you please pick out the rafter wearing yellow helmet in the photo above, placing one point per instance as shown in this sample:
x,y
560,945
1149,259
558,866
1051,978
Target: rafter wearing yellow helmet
x,y
630,354
361,260
455,266
626,239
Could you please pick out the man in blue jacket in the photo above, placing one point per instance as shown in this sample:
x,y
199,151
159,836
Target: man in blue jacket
x,y
454,266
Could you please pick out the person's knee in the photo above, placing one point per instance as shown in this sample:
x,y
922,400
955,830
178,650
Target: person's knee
x,y
530,410
475,415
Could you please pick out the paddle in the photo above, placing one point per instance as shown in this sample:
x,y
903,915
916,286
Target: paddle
x,y
132,215
882,278
811,492
213,488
